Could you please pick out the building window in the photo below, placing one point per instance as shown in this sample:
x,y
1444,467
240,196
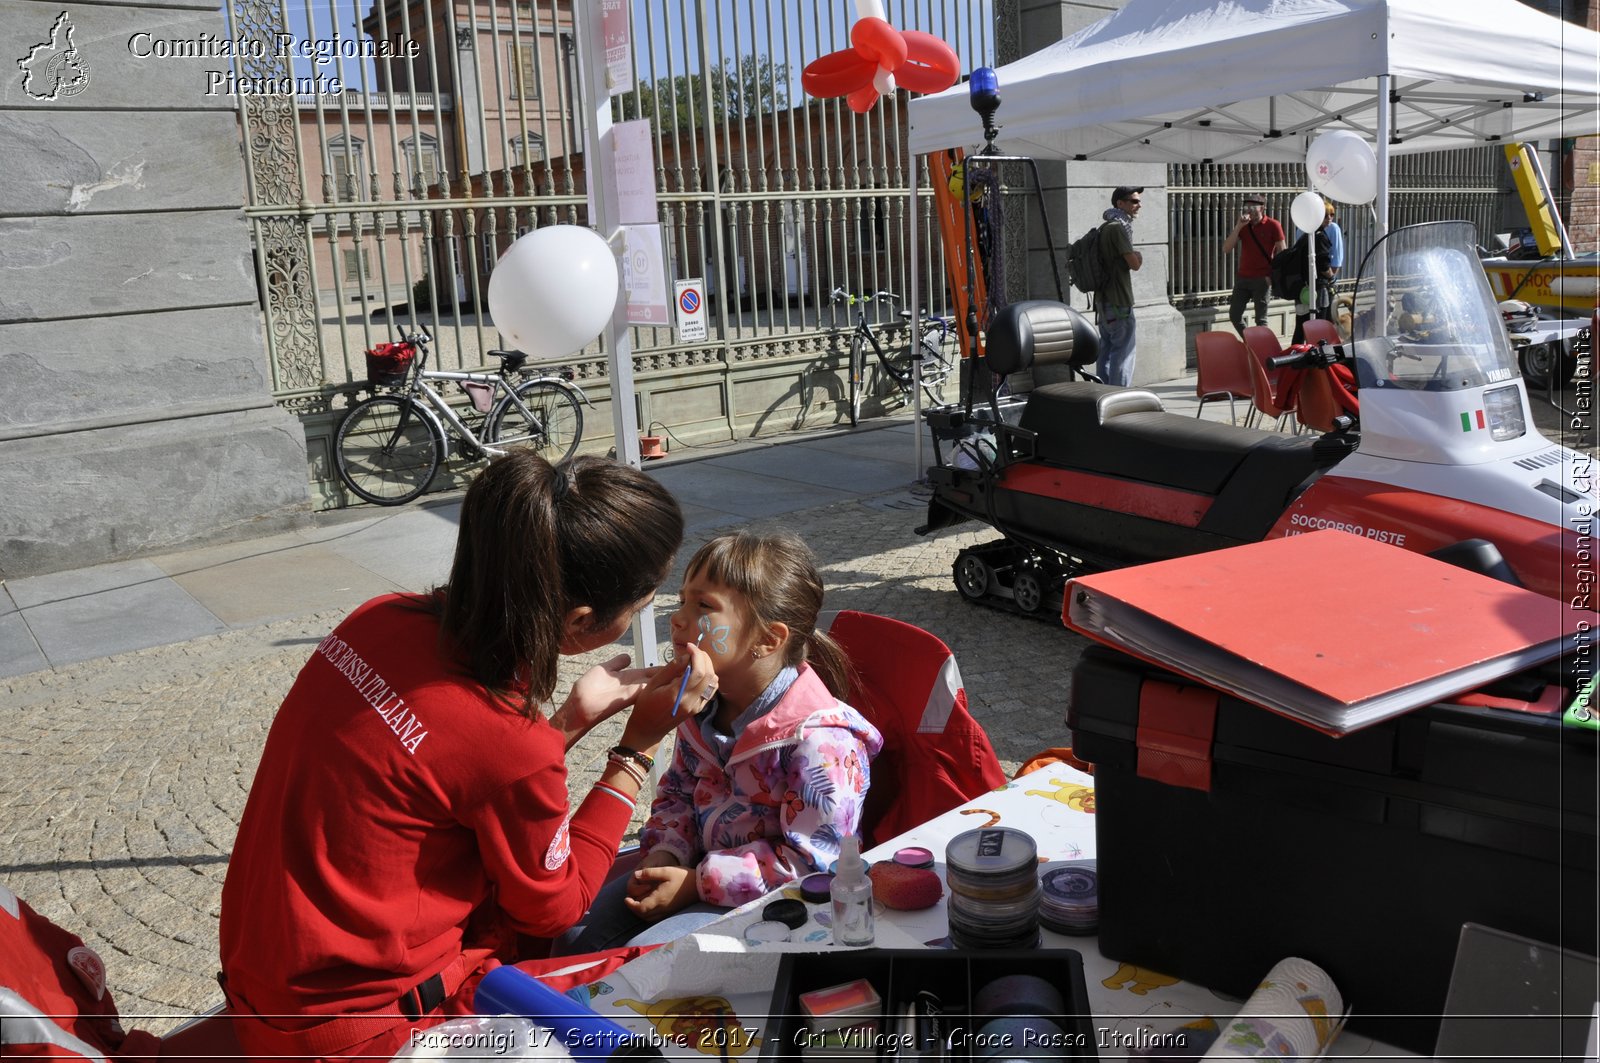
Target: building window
x,y
357,265
346,166
524,72
527,148
421,153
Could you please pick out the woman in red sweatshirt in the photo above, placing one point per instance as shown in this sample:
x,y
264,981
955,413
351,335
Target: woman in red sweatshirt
x,y
409,817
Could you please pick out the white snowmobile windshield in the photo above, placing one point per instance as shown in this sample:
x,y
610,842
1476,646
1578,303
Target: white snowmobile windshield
x,y
1424,317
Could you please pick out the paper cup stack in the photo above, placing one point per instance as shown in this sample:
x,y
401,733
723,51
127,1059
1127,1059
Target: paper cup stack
x,y
1295,1014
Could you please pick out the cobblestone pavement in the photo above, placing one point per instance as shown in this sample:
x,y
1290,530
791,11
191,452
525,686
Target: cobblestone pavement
x,y
122,779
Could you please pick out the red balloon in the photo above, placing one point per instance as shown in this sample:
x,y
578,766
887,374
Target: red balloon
x,y
837,74
875,39
920,62
931,65
862,99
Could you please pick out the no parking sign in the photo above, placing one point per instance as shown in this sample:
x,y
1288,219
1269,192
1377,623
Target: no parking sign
x,y
691,304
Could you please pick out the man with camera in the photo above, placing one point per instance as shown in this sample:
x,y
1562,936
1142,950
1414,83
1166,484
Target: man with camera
x,y
1258,238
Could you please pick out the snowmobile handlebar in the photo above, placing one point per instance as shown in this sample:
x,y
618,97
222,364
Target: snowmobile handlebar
x,y
1309,356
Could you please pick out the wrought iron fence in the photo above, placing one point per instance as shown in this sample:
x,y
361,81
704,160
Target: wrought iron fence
x,y
1203,201
389,201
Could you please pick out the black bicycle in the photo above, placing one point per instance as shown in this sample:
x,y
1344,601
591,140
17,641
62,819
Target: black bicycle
x,y
937,359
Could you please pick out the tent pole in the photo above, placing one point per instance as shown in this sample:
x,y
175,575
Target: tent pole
x,y
1380,306
598,145
916,328
1384,134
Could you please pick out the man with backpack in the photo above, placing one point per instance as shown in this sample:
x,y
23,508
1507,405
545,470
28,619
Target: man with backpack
x,y
1114,300
1258,238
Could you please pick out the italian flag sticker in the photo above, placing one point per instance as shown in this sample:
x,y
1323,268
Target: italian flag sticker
x,y
1472,419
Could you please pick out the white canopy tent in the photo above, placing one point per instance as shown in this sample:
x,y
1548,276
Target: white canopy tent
x,y
1181,81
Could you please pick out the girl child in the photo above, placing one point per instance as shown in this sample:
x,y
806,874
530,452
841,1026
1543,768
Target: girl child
x,y
771,775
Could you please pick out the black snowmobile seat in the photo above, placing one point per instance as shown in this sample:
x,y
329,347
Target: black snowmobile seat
x,y
1038,332
1125,432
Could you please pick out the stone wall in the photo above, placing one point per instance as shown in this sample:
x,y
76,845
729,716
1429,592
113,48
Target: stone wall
x,y
135,410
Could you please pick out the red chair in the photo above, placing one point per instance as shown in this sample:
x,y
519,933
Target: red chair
x,y
1222,371
55,1003
1262,343
935,755
1319,331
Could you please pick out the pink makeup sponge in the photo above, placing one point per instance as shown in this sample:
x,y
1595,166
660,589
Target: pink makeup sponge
x,y
905,888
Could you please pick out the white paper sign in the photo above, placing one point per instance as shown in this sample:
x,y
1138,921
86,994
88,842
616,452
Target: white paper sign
x,y
644,276
633,161
689,299
618,43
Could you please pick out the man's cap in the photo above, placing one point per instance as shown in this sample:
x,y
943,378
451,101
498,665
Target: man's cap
x,y
1256,197
1124,192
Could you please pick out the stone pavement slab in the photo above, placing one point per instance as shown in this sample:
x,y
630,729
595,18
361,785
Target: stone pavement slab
x,y
19,650
278,584
94,612
412,548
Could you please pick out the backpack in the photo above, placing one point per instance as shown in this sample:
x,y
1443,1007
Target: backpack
x,y
1288,274
1086,264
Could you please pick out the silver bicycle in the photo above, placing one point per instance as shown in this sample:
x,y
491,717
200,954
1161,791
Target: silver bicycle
x,y
389,447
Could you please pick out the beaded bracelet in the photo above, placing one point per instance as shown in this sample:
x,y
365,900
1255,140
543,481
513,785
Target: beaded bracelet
x,y
628,768
644,760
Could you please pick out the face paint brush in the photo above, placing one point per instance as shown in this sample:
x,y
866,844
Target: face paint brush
x,y
687,672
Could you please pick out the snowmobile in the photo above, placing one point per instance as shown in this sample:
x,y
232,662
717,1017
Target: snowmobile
x,y
1443,457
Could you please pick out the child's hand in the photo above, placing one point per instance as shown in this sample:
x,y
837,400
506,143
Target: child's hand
x,y
656,892
660,858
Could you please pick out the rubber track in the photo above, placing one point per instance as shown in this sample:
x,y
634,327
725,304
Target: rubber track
x,y
998,554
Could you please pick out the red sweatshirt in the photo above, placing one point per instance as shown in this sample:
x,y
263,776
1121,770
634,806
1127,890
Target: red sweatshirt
x,y
394,797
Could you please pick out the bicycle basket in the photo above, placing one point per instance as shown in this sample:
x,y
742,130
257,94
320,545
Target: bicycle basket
x,y
388,363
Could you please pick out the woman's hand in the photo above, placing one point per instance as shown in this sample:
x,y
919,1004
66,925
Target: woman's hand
x,y
599,694
656,892
653,716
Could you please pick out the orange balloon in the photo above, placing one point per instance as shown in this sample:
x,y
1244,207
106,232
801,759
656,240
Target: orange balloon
x,y
837,74
875,39
931,65
862,99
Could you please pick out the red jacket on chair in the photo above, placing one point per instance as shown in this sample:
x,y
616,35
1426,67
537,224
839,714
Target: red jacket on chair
x,y
53,998
935,754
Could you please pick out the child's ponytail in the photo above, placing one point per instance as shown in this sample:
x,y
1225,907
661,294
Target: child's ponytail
x,y
831,664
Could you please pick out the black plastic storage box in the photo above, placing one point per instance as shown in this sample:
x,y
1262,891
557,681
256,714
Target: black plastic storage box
x,y
954,976
1229,838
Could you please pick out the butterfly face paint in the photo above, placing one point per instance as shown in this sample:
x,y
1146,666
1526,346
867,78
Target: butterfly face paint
x,y
716,635
709,615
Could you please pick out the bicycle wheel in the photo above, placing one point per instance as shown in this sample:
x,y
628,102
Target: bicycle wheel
x,y
552,425
387,450
897,365
937,365
857,360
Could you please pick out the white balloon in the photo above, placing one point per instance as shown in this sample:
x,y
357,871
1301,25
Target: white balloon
x,y
554,290
1342,167
1308,210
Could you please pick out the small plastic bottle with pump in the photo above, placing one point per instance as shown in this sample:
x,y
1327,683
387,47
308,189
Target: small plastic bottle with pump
x,y
851,892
